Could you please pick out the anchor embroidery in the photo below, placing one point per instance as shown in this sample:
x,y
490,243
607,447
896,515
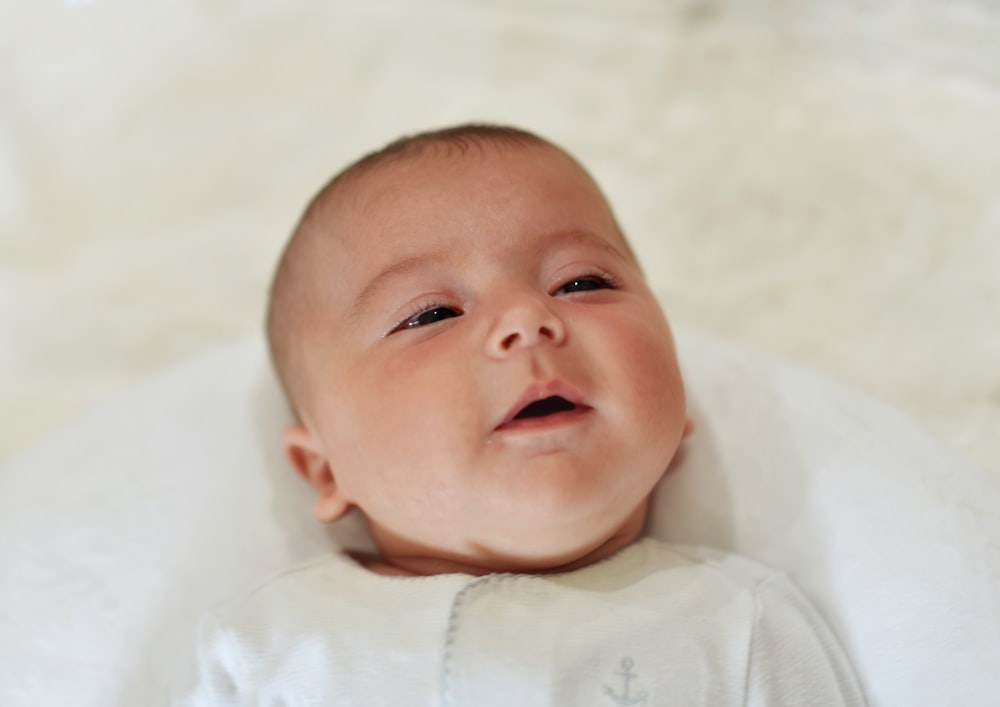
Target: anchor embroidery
x,y
626,697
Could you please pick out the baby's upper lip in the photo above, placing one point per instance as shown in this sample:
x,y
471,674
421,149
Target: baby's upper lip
x,y
541,391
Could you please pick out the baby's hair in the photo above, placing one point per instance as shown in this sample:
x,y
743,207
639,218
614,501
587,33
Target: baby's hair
x,y
460,138
286,299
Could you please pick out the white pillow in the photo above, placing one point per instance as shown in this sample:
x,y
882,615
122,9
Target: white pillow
x,y
118,531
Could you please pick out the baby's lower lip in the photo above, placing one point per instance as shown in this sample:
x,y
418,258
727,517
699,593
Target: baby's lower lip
x,y
556,419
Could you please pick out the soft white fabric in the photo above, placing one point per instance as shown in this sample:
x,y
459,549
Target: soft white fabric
x,y
118,531
653,625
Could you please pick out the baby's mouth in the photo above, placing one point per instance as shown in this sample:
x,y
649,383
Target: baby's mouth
x,y
545,407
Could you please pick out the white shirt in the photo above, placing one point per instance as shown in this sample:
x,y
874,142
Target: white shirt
x,y
652,625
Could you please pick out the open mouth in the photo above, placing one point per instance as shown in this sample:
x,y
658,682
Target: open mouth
x,y
545,407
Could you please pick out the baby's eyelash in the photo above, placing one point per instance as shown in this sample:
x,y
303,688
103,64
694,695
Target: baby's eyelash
x,y
434,313
602,279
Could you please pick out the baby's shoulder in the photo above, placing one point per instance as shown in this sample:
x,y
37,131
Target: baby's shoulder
x,y
699,564
329,588
739,567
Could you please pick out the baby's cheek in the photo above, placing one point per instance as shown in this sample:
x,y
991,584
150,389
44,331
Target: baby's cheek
x,y
654,373
425,404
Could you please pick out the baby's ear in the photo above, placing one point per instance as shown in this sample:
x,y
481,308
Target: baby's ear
x,y
689,427
309,459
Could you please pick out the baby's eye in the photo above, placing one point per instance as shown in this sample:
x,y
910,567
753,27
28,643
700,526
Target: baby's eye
x,y
427,316
585,284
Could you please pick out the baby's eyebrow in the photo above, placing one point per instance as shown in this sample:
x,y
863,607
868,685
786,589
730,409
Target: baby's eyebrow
x,y
393,271
590,239
587,238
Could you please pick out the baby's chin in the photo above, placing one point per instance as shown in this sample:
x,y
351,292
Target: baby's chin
x,y
540,558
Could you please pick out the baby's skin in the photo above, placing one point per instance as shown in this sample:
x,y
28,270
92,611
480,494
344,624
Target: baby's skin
x,y
476,360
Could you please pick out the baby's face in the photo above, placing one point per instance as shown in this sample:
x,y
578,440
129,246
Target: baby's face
x,y
489,378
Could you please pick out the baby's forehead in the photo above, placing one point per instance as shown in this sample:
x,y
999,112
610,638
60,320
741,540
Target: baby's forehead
x,y
390,184
423,194
409,169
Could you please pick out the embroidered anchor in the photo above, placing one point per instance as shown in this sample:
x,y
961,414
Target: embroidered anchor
x,y
626,697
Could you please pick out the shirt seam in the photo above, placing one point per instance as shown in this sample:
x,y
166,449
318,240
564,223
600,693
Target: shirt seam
x,y
460,598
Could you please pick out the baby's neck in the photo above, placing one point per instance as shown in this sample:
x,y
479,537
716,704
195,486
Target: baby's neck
x,y
426,565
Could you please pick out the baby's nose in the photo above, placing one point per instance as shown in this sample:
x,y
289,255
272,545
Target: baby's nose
x,y
524,323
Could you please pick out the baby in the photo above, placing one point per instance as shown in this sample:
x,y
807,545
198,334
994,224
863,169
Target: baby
x,y
478,366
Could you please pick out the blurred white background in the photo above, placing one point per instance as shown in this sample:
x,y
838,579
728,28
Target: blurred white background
x,y
817,180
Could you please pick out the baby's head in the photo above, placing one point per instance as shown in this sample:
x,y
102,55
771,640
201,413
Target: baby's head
x,y
474,357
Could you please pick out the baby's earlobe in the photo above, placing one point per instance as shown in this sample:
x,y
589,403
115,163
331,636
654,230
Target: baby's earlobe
x,y
330,505
309,459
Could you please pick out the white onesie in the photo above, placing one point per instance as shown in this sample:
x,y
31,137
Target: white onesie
x,y
652,625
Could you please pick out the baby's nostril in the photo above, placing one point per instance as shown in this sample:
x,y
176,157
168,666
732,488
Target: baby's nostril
x,y
509,341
